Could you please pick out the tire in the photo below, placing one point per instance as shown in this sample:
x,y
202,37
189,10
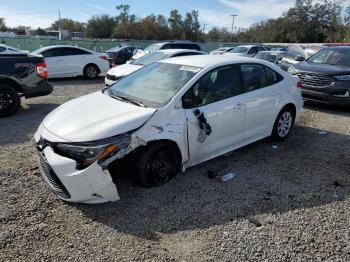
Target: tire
x,y
283,124
156,164
10,101
91,71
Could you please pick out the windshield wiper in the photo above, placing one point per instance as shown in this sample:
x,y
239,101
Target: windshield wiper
x,y
129,100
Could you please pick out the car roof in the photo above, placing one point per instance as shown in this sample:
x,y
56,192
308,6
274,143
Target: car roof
x,y
208,60
273,52
60,46
177,51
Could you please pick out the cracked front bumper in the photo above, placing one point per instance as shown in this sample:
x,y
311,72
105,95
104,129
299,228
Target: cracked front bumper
x,y
91,185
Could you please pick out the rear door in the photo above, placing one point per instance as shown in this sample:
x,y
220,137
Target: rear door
x,y
216,95
262,91
75,60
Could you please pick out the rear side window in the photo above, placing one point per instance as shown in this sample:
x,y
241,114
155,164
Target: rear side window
x,y
272,77
181,46
258,76
2,49
186,53
253,77
74,51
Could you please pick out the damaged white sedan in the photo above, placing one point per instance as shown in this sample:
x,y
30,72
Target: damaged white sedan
x,y
164,117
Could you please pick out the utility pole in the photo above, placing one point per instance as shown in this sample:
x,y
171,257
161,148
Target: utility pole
x,y
204,25
233,21
59,25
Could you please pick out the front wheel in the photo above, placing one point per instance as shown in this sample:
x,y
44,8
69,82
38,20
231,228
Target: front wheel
x,y
156,164
284,124
10,101
91,72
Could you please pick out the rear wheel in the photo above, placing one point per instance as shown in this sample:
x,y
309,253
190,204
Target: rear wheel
x,y
10,101
91,71
284,124
156,164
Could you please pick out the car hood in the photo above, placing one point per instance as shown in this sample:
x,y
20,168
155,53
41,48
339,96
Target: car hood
x,y
329,70
95,116
124,70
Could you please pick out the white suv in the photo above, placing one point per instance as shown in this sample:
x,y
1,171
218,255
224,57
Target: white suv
x,y
168,115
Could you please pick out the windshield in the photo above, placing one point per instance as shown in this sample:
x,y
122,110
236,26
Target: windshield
x,y
239,50
331,57
150,58
153,47
156,84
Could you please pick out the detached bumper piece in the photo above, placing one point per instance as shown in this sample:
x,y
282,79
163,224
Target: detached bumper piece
x,y
91,185
51,178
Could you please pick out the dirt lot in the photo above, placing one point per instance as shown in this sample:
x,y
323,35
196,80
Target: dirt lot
x,y
286,203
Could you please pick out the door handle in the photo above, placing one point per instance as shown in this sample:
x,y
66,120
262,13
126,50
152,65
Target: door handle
x,y
239,105
275,93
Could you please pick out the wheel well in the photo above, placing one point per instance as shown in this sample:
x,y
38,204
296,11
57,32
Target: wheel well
x,y
12,83
291,106
166,142
99,70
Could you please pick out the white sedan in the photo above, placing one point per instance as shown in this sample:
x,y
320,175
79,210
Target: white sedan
x,y
165,117
246,50
72,61
118,72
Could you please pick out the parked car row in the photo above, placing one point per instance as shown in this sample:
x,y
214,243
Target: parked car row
x,y
324,78
118,72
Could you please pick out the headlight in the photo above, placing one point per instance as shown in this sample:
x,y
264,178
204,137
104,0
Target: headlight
x,y
87,153
343,77
291,70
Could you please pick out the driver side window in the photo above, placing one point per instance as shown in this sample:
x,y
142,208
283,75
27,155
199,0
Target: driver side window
x,y
216,85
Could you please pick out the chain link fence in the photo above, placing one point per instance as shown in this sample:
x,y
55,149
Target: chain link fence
x,y
32,44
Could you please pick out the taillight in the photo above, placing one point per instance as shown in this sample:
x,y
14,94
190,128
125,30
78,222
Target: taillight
x,y
103,57
300,84
41,69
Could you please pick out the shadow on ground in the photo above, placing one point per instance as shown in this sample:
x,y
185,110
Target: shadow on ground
x,y
306,170
24,123
76,81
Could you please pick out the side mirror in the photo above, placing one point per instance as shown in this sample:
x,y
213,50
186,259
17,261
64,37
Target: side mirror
x,y
299,58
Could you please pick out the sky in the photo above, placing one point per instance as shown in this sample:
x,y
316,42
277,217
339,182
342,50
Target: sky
x,y
41,13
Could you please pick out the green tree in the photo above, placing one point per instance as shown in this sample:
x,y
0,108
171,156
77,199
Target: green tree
x,y
2,25
175,24
100,26
68,24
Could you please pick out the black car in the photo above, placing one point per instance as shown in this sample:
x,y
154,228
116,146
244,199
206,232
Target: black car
x,y
119,55
326,76
21,75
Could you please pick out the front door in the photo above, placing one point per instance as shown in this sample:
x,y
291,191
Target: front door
x,y
216,95
55,62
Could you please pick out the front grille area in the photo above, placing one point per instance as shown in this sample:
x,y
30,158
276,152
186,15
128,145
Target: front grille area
x,y
315,80
51,178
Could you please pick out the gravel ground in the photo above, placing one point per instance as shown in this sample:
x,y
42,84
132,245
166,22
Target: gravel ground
x,y
286,203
